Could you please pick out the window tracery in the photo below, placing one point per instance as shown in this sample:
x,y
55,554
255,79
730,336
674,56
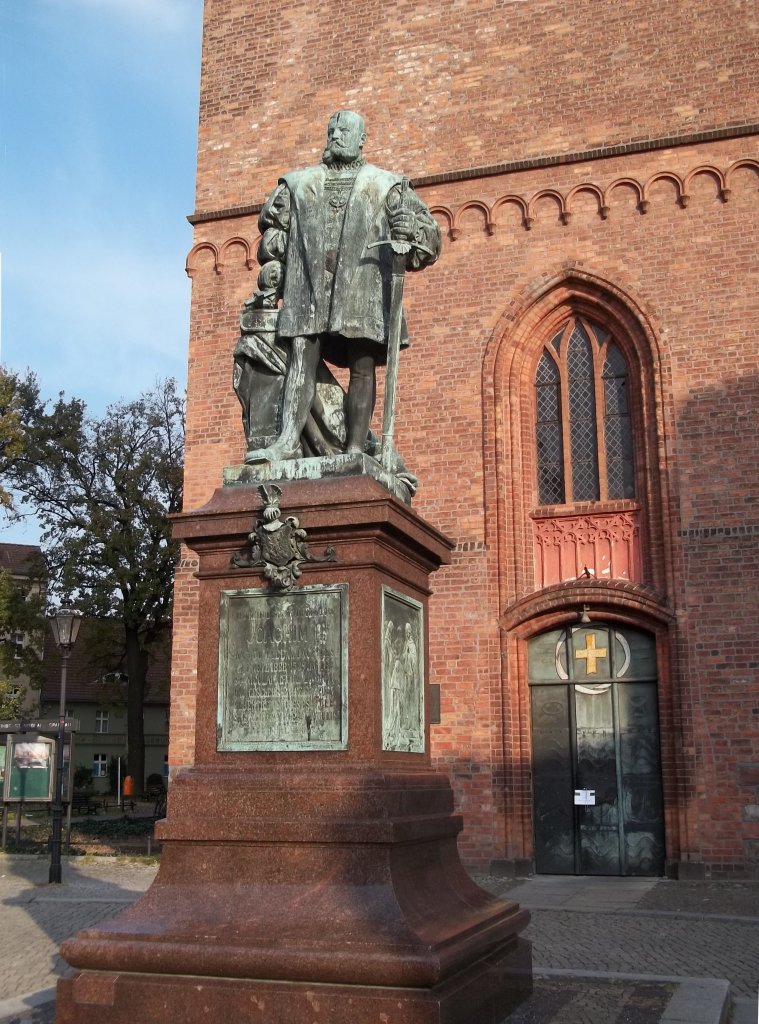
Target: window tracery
x,y
583,425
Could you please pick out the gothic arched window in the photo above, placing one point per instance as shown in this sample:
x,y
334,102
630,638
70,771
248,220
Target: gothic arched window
x,y
583,426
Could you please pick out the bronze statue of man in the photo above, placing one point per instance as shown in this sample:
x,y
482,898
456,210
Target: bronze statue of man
x,y
326,226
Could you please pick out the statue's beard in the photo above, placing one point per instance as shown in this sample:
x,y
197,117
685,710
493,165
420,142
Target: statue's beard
x,y
334,155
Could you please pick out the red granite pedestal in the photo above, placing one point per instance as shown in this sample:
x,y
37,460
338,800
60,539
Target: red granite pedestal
x,y
307,887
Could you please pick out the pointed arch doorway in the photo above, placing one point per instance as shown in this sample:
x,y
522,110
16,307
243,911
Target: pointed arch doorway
x,y
596,761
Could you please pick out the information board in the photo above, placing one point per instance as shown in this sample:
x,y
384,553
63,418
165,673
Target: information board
x,y
30,768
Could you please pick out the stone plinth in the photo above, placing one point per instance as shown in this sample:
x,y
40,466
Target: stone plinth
x,y
345,465
308,885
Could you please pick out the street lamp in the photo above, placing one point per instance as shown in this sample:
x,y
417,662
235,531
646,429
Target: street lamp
x,y
65,626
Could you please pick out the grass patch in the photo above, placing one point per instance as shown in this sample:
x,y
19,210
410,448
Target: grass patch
x,y
104,837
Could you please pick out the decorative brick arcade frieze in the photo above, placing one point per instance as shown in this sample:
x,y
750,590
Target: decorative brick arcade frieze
x,y
602,545
494,213
562,201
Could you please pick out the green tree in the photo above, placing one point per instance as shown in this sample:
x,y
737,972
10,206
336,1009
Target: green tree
x,y
17,396
10,701
102,489
22,636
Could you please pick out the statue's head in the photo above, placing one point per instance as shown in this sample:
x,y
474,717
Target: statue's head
x,y
346,136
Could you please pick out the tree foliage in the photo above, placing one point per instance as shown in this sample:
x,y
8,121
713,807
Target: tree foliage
x,y
11,701
22,637
102,489
17,396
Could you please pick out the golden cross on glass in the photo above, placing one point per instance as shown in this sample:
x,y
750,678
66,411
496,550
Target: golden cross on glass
x,y
591,654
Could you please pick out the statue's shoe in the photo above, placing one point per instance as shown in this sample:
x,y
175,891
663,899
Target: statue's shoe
x,y
275,453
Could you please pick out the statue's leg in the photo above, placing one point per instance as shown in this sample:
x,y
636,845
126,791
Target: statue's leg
x,y
241,384
362,393
298,394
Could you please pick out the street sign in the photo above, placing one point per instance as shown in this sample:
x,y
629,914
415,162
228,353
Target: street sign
x,y
39,725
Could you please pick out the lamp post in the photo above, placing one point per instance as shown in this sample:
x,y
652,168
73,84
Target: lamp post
x,y
65,626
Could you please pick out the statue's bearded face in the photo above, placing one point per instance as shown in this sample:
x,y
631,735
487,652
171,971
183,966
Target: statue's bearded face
x,y
345,137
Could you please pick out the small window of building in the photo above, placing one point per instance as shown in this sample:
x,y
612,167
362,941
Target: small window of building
x,y
15,641
101,721
99,766
18,645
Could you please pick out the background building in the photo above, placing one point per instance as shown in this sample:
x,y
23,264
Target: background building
x,y
96,692
97,697
579,399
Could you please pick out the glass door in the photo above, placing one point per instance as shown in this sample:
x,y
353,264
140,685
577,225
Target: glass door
x,y
596,766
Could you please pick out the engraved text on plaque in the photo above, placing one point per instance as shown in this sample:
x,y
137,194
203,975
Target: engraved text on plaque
x,y
283,669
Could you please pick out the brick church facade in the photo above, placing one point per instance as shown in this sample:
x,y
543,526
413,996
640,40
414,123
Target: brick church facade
x,y
579,399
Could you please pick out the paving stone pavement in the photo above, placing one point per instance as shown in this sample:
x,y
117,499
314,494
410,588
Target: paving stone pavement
x,y
605,951
37,917
642,927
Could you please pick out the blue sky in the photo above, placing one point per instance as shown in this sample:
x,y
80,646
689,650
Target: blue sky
x,y
98,131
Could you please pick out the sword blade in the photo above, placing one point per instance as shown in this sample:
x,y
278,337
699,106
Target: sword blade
x,y
393,350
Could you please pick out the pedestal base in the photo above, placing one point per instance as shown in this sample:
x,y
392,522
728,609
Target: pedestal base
x,y
296,897
484,993
307,886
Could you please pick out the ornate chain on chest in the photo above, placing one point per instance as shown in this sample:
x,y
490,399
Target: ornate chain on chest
x,y
337,189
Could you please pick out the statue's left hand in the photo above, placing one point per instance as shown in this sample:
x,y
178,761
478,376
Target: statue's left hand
x,y
403,224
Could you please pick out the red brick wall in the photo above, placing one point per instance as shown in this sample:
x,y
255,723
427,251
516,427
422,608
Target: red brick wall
x,y
672,260
459,84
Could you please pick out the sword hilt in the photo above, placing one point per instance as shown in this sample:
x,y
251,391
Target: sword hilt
x,y
401,246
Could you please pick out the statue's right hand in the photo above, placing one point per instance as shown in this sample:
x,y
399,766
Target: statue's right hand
x,y
402,224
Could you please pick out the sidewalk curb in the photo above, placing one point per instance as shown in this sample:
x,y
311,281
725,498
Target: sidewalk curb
x,y
704,1001
688,915
17,1005
694,1001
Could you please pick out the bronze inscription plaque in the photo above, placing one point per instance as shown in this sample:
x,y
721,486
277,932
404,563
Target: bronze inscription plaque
x,y
283,669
